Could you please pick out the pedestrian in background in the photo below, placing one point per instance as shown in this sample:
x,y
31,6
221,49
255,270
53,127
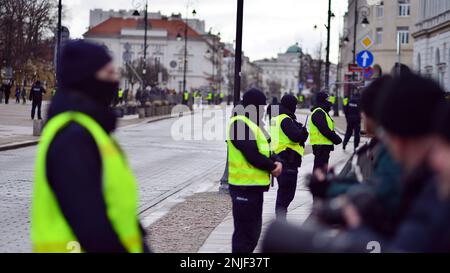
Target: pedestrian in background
x,y
17,94
353,117
85,194
7,85
36,94
249,167
322,134
23,94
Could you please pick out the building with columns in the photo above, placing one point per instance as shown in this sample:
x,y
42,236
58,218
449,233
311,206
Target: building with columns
x,y
432,41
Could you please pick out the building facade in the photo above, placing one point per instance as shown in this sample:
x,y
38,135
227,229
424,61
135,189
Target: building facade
x,y
432,41
385,23
124,36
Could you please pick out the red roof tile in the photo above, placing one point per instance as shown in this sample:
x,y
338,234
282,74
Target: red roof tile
x,y
114,25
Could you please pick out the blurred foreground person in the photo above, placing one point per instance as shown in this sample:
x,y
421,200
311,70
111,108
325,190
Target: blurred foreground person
x,y
85,194
288,139
422,215
249,167
370,180
322,134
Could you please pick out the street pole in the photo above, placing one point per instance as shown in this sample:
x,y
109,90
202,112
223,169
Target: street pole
x,y
355,29
58,39
145,41
224,186
327,64
185,50
238,58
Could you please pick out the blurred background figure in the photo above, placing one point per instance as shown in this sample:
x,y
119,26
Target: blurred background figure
x,y
353,116
36,94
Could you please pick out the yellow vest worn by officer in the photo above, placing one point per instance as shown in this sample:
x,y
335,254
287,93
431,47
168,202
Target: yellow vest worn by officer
x,y
50,232
332,99
210,96
315,136
240,171
186,96
345,101
120,93
279,140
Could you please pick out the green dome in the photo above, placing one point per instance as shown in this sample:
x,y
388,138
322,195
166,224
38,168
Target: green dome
x,y
294,49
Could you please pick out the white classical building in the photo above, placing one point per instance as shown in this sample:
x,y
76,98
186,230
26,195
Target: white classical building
x,y
432,41
284,69
123,35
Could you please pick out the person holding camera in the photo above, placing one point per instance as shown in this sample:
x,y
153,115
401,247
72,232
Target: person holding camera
x,y
288,139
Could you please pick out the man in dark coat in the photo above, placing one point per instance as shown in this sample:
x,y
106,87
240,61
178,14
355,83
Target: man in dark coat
x,y
36,95
353,116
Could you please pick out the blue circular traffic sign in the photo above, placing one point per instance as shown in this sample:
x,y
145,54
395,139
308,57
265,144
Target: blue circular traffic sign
x,y
365,59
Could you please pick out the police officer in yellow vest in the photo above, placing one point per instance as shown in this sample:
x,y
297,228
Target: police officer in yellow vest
x,y
186,97
85,194
288,139
120,95
210,97
250,166
322,134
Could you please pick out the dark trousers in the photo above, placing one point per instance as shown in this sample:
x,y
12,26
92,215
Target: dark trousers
x,y
247,216
36,104
321,156
287,185
7,97
353,127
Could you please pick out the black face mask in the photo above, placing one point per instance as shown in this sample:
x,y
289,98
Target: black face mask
x,y
101,92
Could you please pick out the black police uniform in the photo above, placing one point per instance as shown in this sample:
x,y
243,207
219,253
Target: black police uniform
x,y
36,97
353,116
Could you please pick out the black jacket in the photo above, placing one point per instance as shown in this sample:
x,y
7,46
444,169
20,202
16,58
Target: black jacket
x,y
36,93
245,141
353,110
74,171
320,121
297,133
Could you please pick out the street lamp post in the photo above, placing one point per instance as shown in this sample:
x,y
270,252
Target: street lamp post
x,y
224,186
327,61
364,23
185,61
58,38
136,13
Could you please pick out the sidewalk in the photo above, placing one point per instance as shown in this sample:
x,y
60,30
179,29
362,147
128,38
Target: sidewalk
x,y
219,241
16,126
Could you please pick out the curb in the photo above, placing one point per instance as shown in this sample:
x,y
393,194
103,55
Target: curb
x,y
19,145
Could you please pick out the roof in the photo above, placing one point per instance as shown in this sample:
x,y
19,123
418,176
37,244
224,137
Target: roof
x,y
113,26
294,49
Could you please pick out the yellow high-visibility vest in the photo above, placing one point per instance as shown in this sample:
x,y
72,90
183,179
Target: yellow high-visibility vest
x,y
120,93
50,231
315,136
240,171
279,141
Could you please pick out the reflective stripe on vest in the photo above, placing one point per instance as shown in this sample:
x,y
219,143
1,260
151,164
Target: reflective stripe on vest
x,y
279,140
316,138
50,232
240,171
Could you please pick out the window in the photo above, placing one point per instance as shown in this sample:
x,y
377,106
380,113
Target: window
x,y
404,8
403,35
380,10
379,36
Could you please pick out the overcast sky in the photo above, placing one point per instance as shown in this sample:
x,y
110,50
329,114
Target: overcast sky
x,y
270,26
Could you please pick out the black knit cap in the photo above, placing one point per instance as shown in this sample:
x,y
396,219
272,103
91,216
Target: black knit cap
x,y
254,97
371,94
79,61
322,97
443,121
408,105
289,102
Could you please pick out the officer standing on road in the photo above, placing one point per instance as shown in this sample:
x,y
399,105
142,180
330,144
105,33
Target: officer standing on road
x,y
85,194
322,134
288,139
36,94
250,165
353,116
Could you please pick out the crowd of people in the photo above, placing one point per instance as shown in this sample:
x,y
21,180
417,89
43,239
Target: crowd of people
x,y
393,195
